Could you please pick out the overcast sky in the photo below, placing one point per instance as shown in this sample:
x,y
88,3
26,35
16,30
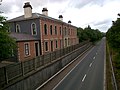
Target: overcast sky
x,y
99,14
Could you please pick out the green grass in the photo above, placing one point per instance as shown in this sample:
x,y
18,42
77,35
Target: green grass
x,y
116,65
108,72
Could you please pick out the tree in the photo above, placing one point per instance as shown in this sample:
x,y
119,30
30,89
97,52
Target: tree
x,y
89,34
113,35
7,44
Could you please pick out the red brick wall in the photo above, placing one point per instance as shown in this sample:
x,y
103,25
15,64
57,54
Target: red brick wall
x,y
72,36
21,53
50,37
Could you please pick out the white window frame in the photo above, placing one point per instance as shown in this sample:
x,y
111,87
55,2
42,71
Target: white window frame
x,y
46,29
17,27
32,29
60,30
56,44
45,46
38,48
28,49
50,30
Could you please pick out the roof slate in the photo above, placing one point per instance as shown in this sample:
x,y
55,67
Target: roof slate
x,y
35,16
22,37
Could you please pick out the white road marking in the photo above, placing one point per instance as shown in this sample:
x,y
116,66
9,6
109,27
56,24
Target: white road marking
x,y
90,64
84,78
93,57
96,53
72,69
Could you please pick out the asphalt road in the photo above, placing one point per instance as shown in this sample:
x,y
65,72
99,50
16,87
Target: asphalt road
x,y
88,74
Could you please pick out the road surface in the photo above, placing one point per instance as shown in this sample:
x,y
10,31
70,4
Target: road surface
x,y
88,74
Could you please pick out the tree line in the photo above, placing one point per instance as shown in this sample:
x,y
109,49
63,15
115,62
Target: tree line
x,y
113,39
113,35
90,34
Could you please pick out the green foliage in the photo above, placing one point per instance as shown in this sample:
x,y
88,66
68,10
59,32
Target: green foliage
x,y
113,35
7,44
89,34
113,38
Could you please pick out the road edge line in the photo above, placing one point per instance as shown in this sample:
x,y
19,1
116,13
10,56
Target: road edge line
x,y
73,68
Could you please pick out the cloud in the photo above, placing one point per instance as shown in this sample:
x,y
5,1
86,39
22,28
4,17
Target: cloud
x,y
10,6
81,3
97,13
102,22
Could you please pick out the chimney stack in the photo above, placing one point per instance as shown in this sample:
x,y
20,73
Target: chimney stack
x,y
61,17
45,11
27,10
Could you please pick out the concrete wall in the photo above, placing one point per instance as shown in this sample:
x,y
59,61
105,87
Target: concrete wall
x,y
36,79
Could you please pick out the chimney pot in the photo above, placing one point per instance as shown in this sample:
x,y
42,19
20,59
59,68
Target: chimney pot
x,y
45,11
69,22
61,17
27,10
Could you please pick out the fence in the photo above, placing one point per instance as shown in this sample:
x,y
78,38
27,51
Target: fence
x,y
17,70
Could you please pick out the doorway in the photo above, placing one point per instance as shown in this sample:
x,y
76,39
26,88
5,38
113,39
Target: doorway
x,y
36,49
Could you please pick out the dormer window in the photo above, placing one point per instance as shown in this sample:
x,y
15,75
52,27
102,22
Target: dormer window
x,y
17,28
33,29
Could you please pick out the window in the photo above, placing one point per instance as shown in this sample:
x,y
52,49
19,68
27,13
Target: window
x,y
65,31
56,44
33,28
60,31
27,49
69,32
60,43
45,29
56,30
65,42
51,30
17,28
46,46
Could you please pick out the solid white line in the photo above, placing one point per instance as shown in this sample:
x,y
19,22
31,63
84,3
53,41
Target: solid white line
x,y
90,64
84,78
58,72
72,70
55,75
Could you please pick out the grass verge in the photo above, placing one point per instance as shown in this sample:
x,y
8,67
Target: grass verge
x,y
109,85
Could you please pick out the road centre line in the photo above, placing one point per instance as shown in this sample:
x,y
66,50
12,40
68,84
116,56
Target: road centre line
x,y
84,78
72,69
90,64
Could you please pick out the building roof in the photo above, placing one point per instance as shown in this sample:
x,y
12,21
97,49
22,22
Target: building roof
x,y
35,16
22,37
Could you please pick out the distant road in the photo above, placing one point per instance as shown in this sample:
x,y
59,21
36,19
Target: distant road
x,y
88,74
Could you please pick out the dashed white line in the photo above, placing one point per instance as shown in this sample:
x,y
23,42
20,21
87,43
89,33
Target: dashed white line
x,y
90,64
72,70
93,57
84,78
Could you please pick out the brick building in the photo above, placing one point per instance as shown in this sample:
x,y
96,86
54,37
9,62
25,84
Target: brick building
x,y
49,33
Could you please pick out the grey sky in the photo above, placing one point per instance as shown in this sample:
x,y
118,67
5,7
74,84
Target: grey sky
x,y
97,13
